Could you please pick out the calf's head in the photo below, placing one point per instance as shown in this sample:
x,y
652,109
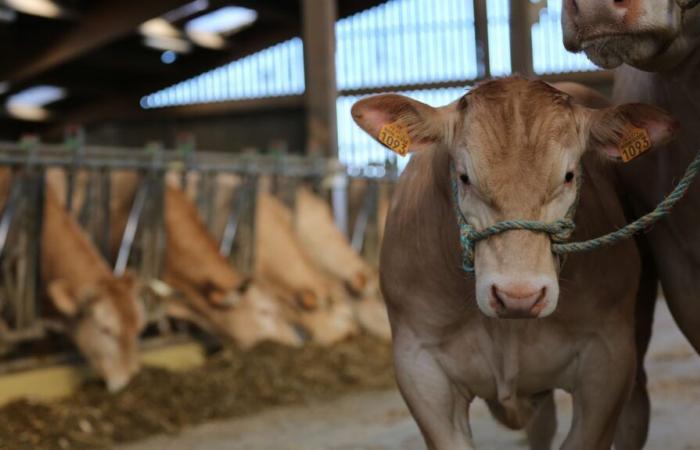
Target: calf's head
x,y
515,146
105,321
262,317
256,316
648,34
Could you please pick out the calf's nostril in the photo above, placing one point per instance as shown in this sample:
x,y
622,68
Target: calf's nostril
x,y
543,292
499,300
519,299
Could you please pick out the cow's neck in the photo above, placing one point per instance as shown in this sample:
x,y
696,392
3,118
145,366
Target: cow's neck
x,y
671,88
422,243
678,92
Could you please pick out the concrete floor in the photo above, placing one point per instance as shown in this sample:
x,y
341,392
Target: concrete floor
x,y
380,421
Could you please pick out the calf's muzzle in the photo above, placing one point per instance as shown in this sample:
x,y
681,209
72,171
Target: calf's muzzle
x,y
519,300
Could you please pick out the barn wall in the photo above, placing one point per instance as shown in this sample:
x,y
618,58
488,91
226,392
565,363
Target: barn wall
x,y
233,132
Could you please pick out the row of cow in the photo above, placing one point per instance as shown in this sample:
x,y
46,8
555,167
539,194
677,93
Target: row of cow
x,y
307,283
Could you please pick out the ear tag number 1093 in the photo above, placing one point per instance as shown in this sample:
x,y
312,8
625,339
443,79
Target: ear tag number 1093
x,y
635,143
396,137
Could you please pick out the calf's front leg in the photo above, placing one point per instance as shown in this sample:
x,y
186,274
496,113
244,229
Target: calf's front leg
x,y
604,382
633,426
442,413
543,424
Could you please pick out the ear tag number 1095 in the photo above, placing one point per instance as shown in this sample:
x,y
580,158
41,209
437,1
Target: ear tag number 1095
x,y
634,144
396,137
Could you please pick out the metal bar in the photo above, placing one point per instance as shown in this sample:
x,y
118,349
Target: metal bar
x,y
158,223
245,255
70,186
9,285
35,190
131,228
78,149
105,200
339,202
238,167
369,205
85,215
240,203
104,158
8,213
204,198
152,236
151,215
212,189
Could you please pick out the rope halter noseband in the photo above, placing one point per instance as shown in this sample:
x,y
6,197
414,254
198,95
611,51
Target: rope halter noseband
x,y
561,230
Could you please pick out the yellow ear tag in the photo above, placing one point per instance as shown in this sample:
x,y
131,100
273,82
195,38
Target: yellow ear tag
x,y
635,143
396,137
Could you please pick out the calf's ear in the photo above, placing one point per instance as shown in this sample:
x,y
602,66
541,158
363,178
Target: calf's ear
x,y
217,295
399,123
627,131
306,300
62,299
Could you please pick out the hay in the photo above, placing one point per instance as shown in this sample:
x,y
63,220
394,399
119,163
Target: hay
x,y
231,383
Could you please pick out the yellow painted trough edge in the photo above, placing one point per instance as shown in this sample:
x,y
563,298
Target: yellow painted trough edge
x,y
53,382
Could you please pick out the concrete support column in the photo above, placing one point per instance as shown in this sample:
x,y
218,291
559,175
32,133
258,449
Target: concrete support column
x,y
319,18
521,37
481,26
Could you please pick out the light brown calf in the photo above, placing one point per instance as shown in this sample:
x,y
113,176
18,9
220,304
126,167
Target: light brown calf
x,y
331,252
123,184
517,148
201,286
280,261
326,246
224,190
191,255
57,179
216,297
105,317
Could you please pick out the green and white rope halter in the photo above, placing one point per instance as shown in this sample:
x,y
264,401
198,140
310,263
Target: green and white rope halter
x,y
560,231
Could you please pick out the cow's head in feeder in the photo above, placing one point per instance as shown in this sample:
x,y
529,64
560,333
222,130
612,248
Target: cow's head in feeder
x,y
105,320
651,35
255,316
514,148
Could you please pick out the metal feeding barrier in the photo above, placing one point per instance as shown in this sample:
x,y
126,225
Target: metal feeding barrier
x,y
88,173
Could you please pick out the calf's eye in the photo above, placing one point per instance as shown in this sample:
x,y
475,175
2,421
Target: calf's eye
x,y
568,178
464,179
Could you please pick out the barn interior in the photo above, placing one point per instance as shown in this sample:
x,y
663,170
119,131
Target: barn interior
x,y
201,147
